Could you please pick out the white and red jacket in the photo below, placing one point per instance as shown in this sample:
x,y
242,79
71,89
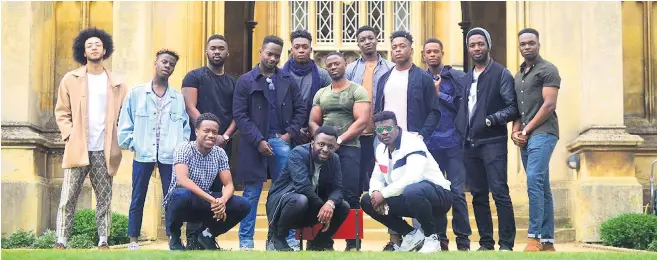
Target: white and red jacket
x,y
411,163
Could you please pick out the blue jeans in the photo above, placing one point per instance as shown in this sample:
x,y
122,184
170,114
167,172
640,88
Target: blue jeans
x,y
536,160
185,206
141,175
451,162
252,191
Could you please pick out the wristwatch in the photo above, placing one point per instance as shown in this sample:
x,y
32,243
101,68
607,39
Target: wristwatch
x,y
339,141
330,203
524,132
488,122
226,137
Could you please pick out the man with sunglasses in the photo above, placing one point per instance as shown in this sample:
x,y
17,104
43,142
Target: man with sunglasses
x,y
309,191
406,182
269,112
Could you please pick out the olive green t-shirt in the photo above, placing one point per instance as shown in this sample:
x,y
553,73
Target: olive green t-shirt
x,y
338,108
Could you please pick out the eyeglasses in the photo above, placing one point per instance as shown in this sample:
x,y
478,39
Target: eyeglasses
x,y
381,128
271,84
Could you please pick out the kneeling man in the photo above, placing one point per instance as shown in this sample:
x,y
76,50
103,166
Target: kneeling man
x,y
196,165
406,182
309,191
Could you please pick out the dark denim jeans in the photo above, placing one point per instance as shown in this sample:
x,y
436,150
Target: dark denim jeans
x,y
185,206
141,176
253,190
450,161
536,160
485,167
297,212
367,151
350,167
423,201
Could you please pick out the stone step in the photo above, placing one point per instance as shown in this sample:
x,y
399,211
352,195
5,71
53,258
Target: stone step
x,y
562,235
370,223
516,207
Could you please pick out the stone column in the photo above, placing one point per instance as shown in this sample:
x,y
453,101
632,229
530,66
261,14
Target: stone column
x,y
27,87
606,184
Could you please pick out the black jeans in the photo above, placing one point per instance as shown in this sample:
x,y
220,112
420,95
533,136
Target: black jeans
x,y
185,206
451,162
366,160
423,201
350,166
297,212
485,166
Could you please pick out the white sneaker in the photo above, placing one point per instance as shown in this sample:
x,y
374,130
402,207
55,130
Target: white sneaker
x,y
431,244
412,240
133,246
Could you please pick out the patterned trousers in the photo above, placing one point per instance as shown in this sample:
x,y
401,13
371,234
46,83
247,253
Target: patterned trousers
x,y
101,182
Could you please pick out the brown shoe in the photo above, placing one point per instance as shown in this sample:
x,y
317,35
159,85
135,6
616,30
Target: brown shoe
x,y
548,247
103,246
59,246
533,245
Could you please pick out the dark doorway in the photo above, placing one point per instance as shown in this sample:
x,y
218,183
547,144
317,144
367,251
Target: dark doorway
x,y
239,17
490,16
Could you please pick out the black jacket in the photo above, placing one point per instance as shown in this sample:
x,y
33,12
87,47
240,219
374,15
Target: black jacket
x,y
296,177
423,107
496,101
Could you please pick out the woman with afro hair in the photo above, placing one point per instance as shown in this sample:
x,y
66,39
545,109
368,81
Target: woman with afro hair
x,y
88,103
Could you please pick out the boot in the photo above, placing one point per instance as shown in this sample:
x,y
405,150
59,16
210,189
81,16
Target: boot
x,y
548,247
533,245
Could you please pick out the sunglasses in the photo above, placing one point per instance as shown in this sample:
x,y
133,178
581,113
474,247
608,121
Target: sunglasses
x,y
271,84
380,129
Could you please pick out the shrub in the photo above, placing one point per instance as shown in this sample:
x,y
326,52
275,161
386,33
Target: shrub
x,y
635,231
82,241
85,223
653,246
45,241
19,239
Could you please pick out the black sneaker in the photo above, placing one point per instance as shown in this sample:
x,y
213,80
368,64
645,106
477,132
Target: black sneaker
x,y
175,244
351,245
278,244
483,248
463,247
390,247
193,244
208,243
444,246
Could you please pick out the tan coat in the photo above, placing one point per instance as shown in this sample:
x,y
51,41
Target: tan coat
x,y
73,119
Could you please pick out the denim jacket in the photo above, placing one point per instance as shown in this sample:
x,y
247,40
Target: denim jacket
x,y
137,124
356,70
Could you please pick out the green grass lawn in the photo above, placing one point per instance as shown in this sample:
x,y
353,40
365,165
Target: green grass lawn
x,y
161,254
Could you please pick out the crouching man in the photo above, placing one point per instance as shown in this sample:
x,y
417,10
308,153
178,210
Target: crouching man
x,y
196,165
309,191
406,182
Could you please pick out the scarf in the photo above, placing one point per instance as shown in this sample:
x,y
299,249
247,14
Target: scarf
x,y
303,70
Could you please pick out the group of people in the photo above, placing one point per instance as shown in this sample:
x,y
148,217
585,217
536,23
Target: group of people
x,y
411,138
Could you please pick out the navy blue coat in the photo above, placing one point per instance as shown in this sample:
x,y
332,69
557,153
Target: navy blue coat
x,y
251,114
423,108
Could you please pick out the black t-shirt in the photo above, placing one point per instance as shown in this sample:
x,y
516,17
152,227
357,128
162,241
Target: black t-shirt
x,y
215,94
